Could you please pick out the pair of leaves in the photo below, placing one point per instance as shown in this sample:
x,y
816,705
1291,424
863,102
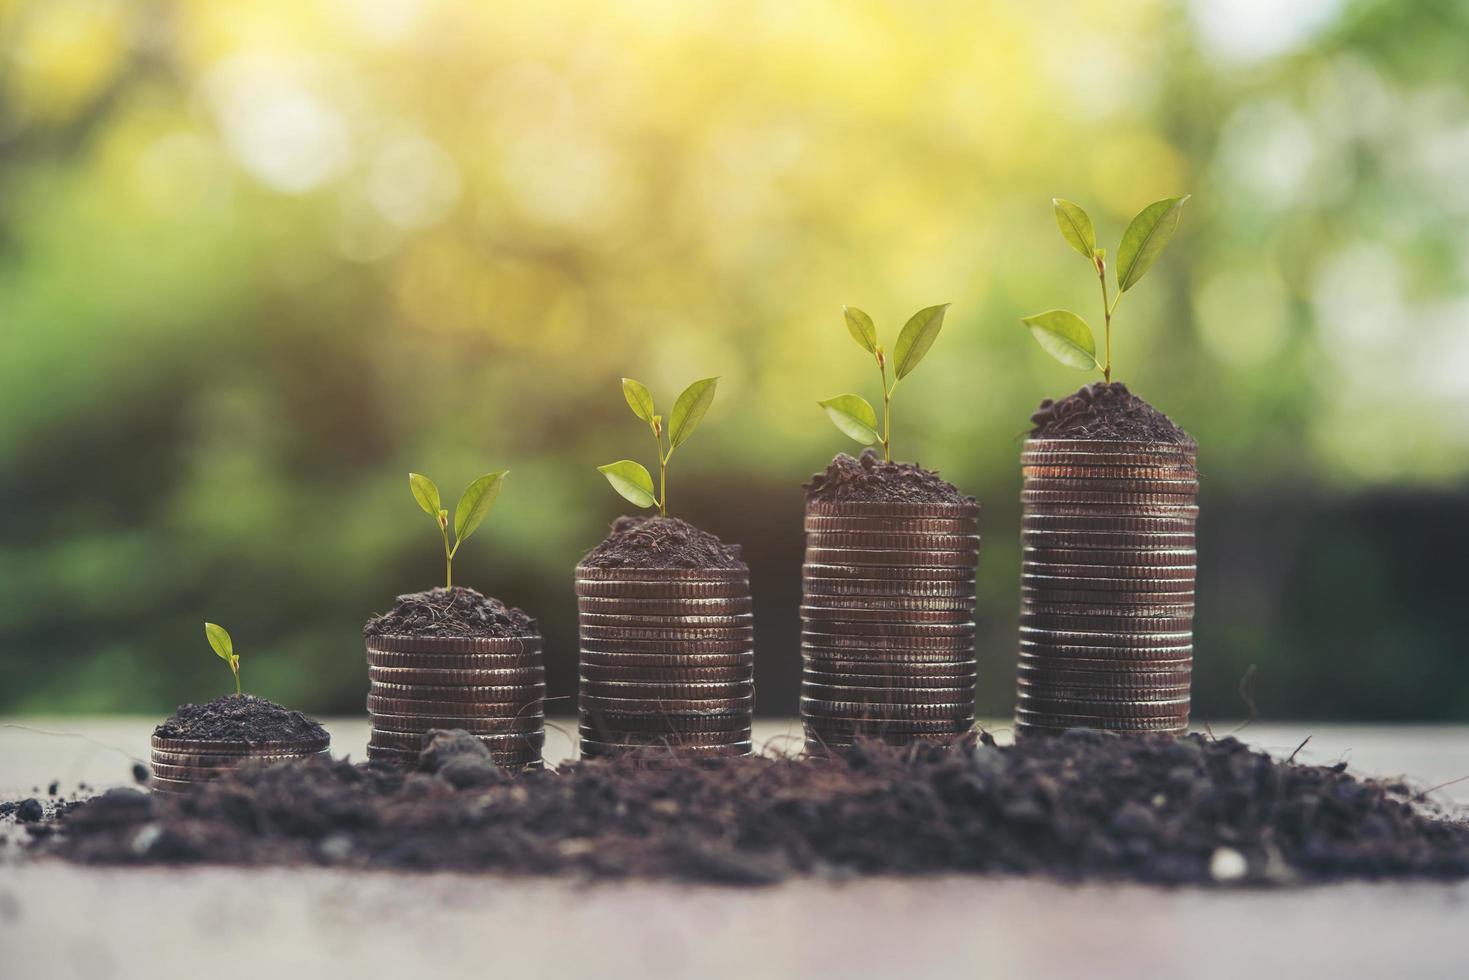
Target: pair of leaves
x,y
1065,335
914,340
688,410
474,504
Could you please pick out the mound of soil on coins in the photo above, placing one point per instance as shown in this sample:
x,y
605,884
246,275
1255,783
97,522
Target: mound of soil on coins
x,y
242,718
450,612
868,479
1105,410
661,542
1080,805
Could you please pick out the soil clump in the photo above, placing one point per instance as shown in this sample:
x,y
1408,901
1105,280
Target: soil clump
x,y
1105,410
240,718
869,480
1081,805
661,542
460,611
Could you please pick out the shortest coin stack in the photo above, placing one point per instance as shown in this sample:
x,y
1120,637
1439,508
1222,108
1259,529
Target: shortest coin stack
x,y
1107,586
887,621
667,658
492,687
177,762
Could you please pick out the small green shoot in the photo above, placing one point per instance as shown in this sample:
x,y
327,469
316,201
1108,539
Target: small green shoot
x,y
1066,336
851,413
474,504
219,639
631,478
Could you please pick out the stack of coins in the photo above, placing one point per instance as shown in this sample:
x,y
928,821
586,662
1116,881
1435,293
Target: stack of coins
x,y
492,687
887,621
1107,586
177,762
667,659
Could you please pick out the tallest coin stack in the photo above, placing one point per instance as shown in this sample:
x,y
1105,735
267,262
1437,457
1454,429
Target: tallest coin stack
x,y
1107,585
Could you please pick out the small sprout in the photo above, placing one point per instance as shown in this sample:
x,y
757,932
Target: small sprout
x,y
474,504
219,639
631,478
853,414
1066,336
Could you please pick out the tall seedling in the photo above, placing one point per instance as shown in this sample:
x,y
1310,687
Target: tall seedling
x,y
631,478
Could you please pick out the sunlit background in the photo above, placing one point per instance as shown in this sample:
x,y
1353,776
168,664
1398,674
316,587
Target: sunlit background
x,y
259,260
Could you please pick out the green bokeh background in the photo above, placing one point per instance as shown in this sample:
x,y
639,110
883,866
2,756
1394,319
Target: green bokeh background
x,y
258,261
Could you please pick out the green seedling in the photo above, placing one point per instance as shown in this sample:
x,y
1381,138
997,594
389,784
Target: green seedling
x,y
474,504
219,639
1066,336
852,413
632,479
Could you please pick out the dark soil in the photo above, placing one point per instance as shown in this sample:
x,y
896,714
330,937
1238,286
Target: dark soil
x,y
661,542
869,479
1105,410
1082,805
451,612
240,717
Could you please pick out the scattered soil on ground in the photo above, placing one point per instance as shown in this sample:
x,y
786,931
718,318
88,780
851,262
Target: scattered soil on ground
x,y
1105,410
661,542
1081,805
869,479
240,717
451,612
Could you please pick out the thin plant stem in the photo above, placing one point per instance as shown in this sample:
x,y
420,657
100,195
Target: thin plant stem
x,y
237,680
1107,317
662,474
448,559
887,402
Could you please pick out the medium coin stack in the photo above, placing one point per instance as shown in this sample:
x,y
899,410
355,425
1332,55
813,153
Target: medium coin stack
x,y
667,658
492,687
177,762
887,621
1107,585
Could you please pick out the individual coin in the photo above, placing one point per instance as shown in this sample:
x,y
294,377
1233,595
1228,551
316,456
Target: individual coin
x,y
1078,444
519,693
692,648
893,711
1072,496
1180,609
892,629
815,613
1178,722
189,773
668,634
531,660
693,661
454,644
413,741
663,589
1109,512
652,689
200,761
1088,540
892,509
1105,638
1048,697
898,525
529,722
586,573
521,677
887,695
595,750
1116,665
664,607
892,541
891,573
877,588
1104,675
612,721
1074,470
594,672
1042,566
633,739
1105,524
693,621
447,708
919,673
1120,483
1109,557
1058,651
162,784
1046,592
1076,583
213,746
892,603
661,705
869,558
915,648
1107,624
832,727
823,681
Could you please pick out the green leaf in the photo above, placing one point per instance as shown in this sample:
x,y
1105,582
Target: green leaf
x,y
425,493
1076,226
1145,239
219,639
1065,336
639,399
689,411
918,335
853,416
632,480
475,503
860,325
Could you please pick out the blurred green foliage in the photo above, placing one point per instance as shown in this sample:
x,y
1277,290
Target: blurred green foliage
x,y
258,261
